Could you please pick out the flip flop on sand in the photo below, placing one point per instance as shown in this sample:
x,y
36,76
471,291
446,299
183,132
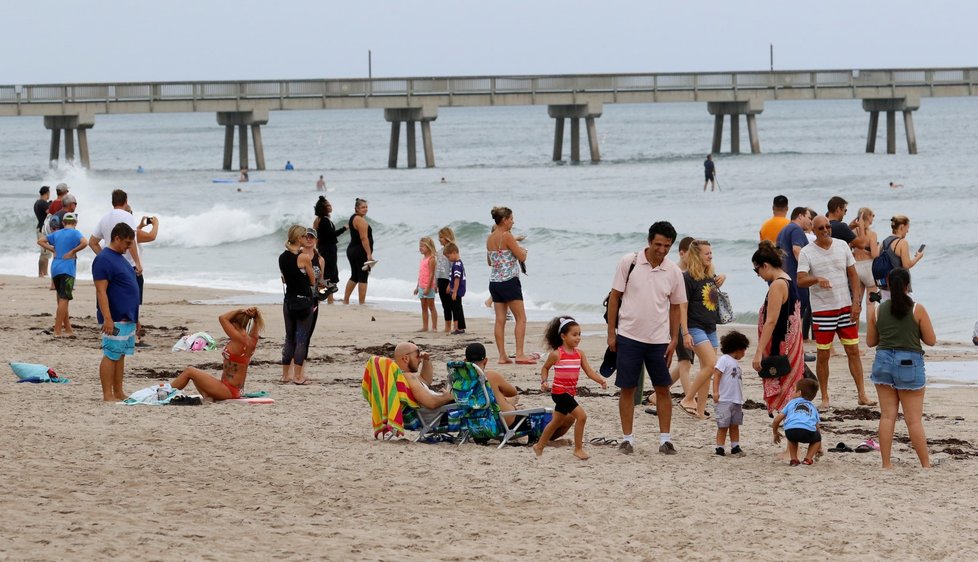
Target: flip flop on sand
x,y
841,448
303,382
867,446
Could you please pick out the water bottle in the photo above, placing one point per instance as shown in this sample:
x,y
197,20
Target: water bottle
x,y
161,392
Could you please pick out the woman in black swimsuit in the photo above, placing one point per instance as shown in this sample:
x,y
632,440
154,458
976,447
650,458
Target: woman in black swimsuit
x,y
299,279
327,234
359,252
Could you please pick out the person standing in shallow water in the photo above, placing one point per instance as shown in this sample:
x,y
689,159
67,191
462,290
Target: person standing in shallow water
x,y
327,240
359,252
710,170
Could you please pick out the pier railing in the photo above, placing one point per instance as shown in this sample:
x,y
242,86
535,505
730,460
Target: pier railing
x,y
482,85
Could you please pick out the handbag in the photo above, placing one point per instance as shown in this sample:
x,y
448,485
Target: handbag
x,y
299,306
774,366
724,308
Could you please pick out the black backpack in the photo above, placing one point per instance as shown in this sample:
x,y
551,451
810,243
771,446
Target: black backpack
x,y
629,274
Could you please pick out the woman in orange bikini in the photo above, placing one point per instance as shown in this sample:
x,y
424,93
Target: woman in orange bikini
x,y
243,327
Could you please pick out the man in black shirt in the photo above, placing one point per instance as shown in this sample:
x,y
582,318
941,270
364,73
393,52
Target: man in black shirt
x,y
709,169
41,212
837,208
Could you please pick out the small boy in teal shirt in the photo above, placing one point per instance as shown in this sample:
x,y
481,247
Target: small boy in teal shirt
x,y
800,422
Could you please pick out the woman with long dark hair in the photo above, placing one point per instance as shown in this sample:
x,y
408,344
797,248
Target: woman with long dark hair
x,y
896,328
327,239
779,326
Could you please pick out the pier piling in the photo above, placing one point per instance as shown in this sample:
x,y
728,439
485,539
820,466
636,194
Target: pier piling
x,y
70,125
243,120
891,106
588,112
410,116
749,108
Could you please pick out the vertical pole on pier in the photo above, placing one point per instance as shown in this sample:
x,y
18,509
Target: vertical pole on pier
x,y
69,146
592,139
411,145
735,133
259,147
83,148
891,132
911,135
755,142
575,139
429,151
228,146
558,139
243,147
874,121
395,139
55,147
717,132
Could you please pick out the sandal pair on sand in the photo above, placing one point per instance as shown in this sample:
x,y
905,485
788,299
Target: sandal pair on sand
x,y
865,447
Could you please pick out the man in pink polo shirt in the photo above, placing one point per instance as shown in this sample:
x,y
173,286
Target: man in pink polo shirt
x,y
644,315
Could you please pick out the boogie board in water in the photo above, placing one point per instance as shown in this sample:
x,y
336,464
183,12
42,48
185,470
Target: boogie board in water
x,y
229,180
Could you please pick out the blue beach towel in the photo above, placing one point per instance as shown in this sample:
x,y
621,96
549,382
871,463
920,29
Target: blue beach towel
x,y
35,373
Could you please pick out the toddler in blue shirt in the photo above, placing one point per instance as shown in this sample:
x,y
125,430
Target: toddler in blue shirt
x,y
801,420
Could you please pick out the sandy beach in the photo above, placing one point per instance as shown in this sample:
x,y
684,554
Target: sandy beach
x,y
304,478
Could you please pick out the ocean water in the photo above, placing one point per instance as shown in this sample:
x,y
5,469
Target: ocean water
x,y
578,218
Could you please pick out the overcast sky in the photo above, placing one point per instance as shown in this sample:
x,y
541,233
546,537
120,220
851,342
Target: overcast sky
x,y
55,41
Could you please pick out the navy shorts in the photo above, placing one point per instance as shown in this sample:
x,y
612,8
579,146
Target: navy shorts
x,y
506,291
632,355
903,370
64,285
564,403
139,281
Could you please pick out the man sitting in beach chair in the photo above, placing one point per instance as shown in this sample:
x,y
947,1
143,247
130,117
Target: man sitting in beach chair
x,y
400,397
491,409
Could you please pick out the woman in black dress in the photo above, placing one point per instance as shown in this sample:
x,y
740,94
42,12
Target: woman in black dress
x,y
359,252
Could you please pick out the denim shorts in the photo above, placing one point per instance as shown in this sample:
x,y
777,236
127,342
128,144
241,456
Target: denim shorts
x,y
700,336
903,370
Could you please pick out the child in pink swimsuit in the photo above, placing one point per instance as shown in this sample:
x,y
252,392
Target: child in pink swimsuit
x,y
427,288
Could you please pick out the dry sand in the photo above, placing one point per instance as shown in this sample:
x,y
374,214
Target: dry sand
x,y
304,479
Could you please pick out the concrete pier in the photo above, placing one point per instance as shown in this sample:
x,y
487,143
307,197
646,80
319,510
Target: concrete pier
x,y
243,120
891,106
411,115
750,108
589,112
72,125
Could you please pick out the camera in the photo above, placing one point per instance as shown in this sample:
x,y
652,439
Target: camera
x,y
876,297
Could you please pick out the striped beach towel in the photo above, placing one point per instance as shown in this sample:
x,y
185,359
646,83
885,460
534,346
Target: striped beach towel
x,y
387,392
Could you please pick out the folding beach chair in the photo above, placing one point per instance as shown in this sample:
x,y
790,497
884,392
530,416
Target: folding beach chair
x,y
430,423
482,421
393,410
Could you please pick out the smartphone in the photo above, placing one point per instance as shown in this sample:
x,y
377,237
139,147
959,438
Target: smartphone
x,y
921,248
115,331
146,220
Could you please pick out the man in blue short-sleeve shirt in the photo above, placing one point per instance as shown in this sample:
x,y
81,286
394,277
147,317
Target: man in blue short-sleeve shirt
x,y
117,294
65,244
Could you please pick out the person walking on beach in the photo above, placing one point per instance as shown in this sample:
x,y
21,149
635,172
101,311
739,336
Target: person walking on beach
x,y
864,254
426,288
790,241
65,245
728,392
504,255
563,336
702,285
360,252
242,326
297,305
321,184
117,295
327,240
644,315
779,326
41,213
896,328
456,286
443,274
772,226
710,170
829,270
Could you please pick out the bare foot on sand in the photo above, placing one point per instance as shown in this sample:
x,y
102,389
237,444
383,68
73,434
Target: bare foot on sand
x,y
824,406
579,453
865,401
538,450
504,361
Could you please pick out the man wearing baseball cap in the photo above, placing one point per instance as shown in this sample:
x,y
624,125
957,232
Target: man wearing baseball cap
x,y
61,190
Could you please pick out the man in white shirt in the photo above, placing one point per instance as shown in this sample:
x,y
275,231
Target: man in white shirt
x,y
828,269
